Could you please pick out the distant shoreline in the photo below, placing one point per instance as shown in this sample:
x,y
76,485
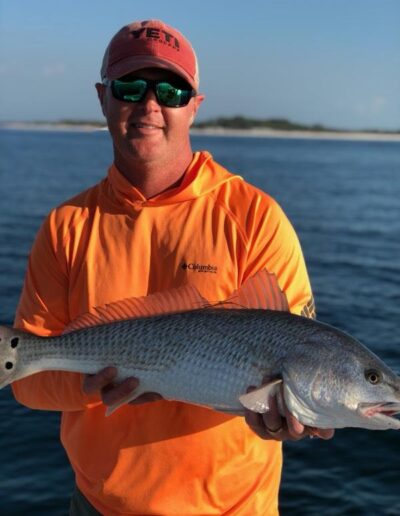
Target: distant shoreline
x,y
52,126
296,134
218,131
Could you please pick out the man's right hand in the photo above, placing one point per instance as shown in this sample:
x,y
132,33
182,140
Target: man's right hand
x,y
111,392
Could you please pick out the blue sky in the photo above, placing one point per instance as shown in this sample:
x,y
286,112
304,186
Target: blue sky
x,y
335,62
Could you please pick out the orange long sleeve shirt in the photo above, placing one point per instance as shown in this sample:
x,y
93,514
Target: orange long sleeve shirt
x,y
109,243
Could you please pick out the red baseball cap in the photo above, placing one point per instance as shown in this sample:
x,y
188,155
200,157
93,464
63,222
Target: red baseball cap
x,y
147,44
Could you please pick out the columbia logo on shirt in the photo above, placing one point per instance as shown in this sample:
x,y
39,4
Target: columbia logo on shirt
x,y
198,267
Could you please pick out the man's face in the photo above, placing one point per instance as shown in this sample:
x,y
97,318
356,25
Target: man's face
x,y
145,132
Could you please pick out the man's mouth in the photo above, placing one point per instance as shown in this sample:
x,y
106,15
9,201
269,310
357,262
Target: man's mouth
x,y
141,125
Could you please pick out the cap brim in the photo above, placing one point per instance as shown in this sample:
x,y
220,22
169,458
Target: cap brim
x,y
135,63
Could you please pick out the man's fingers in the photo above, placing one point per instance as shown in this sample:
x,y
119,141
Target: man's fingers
x,y
96,382
256,423
112,393
272,419
268,425
295,428
322,433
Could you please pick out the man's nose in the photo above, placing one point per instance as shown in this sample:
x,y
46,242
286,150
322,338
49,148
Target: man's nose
x,y
150,100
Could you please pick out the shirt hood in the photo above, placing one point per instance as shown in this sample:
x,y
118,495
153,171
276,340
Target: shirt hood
x,y
201,177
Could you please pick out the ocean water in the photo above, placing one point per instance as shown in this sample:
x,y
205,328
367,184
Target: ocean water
x,y
343,197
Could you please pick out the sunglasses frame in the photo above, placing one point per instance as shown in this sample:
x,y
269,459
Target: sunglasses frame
x,y
151,84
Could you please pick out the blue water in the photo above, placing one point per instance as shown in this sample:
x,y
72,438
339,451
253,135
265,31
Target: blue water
x,y
343,198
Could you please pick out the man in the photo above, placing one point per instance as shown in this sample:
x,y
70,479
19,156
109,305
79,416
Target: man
x,y
162,217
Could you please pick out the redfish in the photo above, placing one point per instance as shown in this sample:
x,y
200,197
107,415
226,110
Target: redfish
x,y
209,355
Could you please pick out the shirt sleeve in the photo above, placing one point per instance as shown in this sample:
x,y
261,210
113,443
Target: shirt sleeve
x,y
273,245
43,310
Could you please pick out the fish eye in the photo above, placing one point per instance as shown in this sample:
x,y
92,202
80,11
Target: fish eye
x,y
373,376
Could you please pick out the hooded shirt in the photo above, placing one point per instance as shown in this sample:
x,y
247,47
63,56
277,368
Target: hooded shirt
x,y
108,243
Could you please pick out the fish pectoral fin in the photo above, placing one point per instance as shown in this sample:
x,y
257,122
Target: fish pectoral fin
x,y
123,401
257,400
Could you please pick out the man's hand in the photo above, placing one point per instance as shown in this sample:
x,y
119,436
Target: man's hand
x,y
272,425
110,392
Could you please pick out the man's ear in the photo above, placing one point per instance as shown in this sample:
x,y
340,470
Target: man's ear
x,y
101,93
198,99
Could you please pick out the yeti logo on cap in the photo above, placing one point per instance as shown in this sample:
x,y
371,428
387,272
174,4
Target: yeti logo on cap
x,y
153,33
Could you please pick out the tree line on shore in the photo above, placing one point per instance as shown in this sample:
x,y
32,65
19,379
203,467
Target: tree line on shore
x,y
280,124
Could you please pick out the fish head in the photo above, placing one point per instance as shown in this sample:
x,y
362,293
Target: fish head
x,y
373,393
10,342
336,382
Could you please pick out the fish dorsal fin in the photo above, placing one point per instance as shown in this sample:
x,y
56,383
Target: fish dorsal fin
x,y
179,299
260,291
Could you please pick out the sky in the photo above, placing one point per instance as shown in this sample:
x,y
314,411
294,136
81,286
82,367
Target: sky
x,y
330,62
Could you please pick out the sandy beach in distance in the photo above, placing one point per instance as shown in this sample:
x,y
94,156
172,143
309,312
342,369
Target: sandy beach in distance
x,y
216,131
51,126
274,133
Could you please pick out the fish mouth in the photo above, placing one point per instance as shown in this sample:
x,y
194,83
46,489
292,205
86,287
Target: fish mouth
x,y
383,412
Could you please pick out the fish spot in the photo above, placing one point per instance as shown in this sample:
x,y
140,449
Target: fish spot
x,y
14,342
9,365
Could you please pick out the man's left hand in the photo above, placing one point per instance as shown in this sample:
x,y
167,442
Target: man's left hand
x,y
273,426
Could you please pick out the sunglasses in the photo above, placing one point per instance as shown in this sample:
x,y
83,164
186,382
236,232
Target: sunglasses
x,y
135,90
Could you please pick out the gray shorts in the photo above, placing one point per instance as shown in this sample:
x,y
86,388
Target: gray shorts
x,y
80,506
